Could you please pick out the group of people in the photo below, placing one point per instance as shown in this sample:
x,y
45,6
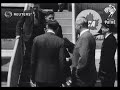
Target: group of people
x,y
83,61
39,23
47,60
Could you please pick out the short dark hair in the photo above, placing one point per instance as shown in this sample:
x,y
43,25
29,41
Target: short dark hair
x,y
49,12
52,24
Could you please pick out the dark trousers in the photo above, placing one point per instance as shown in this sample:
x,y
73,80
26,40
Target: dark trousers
x,y
44,84
108,80
78,82
107,83
25,74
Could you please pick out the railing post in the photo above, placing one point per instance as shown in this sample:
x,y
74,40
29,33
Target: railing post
x,y
73,23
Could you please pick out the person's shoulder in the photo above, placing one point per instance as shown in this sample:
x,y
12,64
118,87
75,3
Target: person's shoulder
x,y
89,34
86,34
39,37
58,38
61,40
59,25
111,37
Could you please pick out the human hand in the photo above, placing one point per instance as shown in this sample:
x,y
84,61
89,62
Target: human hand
x,y
32,83
17,36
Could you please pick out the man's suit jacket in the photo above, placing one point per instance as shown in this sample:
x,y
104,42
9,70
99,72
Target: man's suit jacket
x,y
59,32
69,45
27,24
48,59
107,62
84,58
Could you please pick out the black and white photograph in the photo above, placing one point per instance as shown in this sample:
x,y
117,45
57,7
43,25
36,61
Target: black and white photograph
x,y
59,45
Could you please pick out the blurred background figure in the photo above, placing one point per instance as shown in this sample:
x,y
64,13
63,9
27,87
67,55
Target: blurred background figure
x,y
61,7
107,70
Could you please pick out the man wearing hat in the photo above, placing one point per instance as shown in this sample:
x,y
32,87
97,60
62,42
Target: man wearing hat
x,y
107,70
48,58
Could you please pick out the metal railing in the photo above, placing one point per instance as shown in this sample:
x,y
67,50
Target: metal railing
x,y
15,65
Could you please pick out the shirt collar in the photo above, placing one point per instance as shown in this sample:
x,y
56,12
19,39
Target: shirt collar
x,y
107,35
49,30
84,31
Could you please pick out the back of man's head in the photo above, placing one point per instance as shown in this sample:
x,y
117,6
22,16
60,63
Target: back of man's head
x,y
83,22
52,24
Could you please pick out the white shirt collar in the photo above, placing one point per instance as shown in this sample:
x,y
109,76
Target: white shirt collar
x,y
107,35
84,31
49,30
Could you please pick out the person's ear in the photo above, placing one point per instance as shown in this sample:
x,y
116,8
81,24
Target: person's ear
x,y
77,26
108,29
45,17
47,26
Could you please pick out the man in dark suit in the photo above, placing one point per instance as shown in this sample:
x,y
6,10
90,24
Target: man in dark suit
x,y
83,61
68,45
48,58
107,70
29,27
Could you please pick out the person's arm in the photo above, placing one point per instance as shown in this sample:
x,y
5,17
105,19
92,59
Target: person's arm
x,y
62,63
33,58
83,51
76,54
19,25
